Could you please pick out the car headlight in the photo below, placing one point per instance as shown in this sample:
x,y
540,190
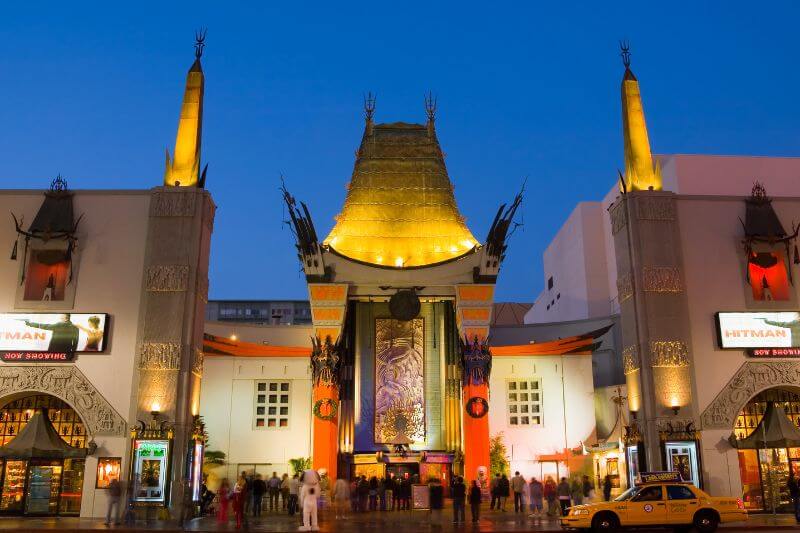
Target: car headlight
x,y
576,512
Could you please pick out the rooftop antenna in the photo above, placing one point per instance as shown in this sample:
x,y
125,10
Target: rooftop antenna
x,y
369,106
430,106
625,52
199,42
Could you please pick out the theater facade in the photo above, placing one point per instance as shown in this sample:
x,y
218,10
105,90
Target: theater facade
x,y
102,297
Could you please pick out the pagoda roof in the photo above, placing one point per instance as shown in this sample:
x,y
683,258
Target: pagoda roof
x,y
775,430
39,439
400,210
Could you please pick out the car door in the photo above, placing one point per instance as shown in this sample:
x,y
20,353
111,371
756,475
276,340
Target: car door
x,y
681,504
647,507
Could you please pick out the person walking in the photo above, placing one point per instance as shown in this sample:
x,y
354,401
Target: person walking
x,y
475,498
459,497
340,496
363,494
373,493
607,488
576,491
224,494
503,492
551,495
259,489
536,490
285,492
114,496
794,494
405,494
588,490
239,496
273,490
493,491
563,491
382,494
294,494
518,486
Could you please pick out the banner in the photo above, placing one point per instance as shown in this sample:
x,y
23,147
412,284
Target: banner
x,y
50,336
759,330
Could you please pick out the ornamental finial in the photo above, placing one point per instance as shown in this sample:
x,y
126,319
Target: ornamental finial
x,y
199,42
430,106
625,52
369,106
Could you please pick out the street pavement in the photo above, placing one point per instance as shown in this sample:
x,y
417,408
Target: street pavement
x,y
401,522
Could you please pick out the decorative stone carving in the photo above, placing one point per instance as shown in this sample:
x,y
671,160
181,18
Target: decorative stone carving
x,y
752,378
167,278
197,363
630,359
477,363
160,355
676,428
624,287
655,208
158,385
662,279
619,217
669,354
69,384
201,286
324,362
173,204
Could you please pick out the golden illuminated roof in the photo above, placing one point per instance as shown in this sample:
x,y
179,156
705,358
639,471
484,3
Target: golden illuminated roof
x,y
183,170
400,210
641,173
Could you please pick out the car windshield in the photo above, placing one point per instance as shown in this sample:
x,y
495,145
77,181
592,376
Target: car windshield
x,y
627,495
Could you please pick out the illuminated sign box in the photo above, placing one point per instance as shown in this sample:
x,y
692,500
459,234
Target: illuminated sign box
x,y
51,337
764,334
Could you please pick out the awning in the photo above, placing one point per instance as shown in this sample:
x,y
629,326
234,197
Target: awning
x,y
775,430
38,439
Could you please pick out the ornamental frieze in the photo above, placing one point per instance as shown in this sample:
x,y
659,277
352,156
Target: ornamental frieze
x,y
630,359
167,278
69,384
160,356
669,354
197,363
662,279
173,204
655,208
752,378
619,217
624,287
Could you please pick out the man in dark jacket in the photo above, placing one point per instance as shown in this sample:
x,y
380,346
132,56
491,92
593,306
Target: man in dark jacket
x,y
459,497
503,492
259,489
64,338
475,498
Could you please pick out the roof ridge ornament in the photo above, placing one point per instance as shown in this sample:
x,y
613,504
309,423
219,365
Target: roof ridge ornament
x,y
625,53
59,184
430,106
199,42
369,106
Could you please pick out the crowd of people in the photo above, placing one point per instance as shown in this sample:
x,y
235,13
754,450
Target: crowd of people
x,y
546,498
252,496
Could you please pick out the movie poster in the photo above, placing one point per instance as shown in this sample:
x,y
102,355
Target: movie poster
x,y
52,332
399,380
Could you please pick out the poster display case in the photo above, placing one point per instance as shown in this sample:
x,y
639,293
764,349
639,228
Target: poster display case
x,y
12,497
150,467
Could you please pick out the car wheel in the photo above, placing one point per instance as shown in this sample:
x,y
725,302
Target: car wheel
x,y
605,522
706,522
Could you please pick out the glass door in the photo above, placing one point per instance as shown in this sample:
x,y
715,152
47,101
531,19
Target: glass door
x,y
774,478
682,457
44,486
12,496
71,487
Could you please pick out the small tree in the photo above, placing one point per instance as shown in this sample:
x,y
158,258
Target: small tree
x,y
213,458
498,455
300,464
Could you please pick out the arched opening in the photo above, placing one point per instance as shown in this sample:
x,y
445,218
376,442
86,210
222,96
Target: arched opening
x,y
765,471
51,483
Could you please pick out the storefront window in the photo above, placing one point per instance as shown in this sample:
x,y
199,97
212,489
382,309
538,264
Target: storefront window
x,y
12,498
751,480
15,414
44,482
72,487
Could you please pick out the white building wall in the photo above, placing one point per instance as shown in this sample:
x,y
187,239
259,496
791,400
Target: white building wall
x,y
227,405
568,415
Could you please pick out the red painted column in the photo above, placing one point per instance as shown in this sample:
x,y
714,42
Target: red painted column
x,y
325,450
476,434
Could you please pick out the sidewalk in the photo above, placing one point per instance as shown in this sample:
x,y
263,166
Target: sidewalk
x,y
406,522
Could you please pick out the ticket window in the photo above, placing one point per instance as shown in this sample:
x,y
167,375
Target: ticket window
x,y
647,507
682,457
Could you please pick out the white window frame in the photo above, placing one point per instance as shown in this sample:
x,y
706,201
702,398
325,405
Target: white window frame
x,y
518,408
263,403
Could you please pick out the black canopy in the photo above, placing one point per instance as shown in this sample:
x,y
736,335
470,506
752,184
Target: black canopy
x,y
775,430
39,439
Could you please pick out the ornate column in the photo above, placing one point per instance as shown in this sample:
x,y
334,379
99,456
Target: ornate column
x,y
655,315
175,291
328,308
473,316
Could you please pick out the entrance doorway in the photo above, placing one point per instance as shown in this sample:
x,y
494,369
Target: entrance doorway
x,y
403,470
765,471
51,484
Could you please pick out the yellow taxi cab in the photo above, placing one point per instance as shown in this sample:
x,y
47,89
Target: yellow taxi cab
x,y
661,500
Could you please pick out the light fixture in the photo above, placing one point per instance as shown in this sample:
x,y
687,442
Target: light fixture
x,y
675,405
155,408
234,337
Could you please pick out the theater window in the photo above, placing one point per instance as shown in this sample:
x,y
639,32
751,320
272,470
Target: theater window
x,y
46,275
769,279
271,405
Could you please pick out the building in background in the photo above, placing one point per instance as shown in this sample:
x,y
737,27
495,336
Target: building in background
x,y
287,312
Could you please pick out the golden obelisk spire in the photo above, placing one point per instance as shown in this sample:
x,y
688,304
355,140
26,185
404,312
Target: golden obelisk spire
x,y
183,170
641,173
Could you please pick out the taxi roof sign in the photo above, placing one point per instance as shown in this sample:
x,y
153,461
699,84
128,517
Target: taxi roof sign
x,y
659,477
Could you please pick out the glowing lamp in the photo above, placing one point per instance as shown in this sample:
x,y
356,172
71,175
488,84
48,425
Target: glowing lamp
x,y
398,262
234,337
675,405
107,468
155,407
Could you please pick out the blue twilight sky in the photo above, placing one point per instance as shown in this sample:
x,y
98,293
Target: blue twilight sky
x,y
525,89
